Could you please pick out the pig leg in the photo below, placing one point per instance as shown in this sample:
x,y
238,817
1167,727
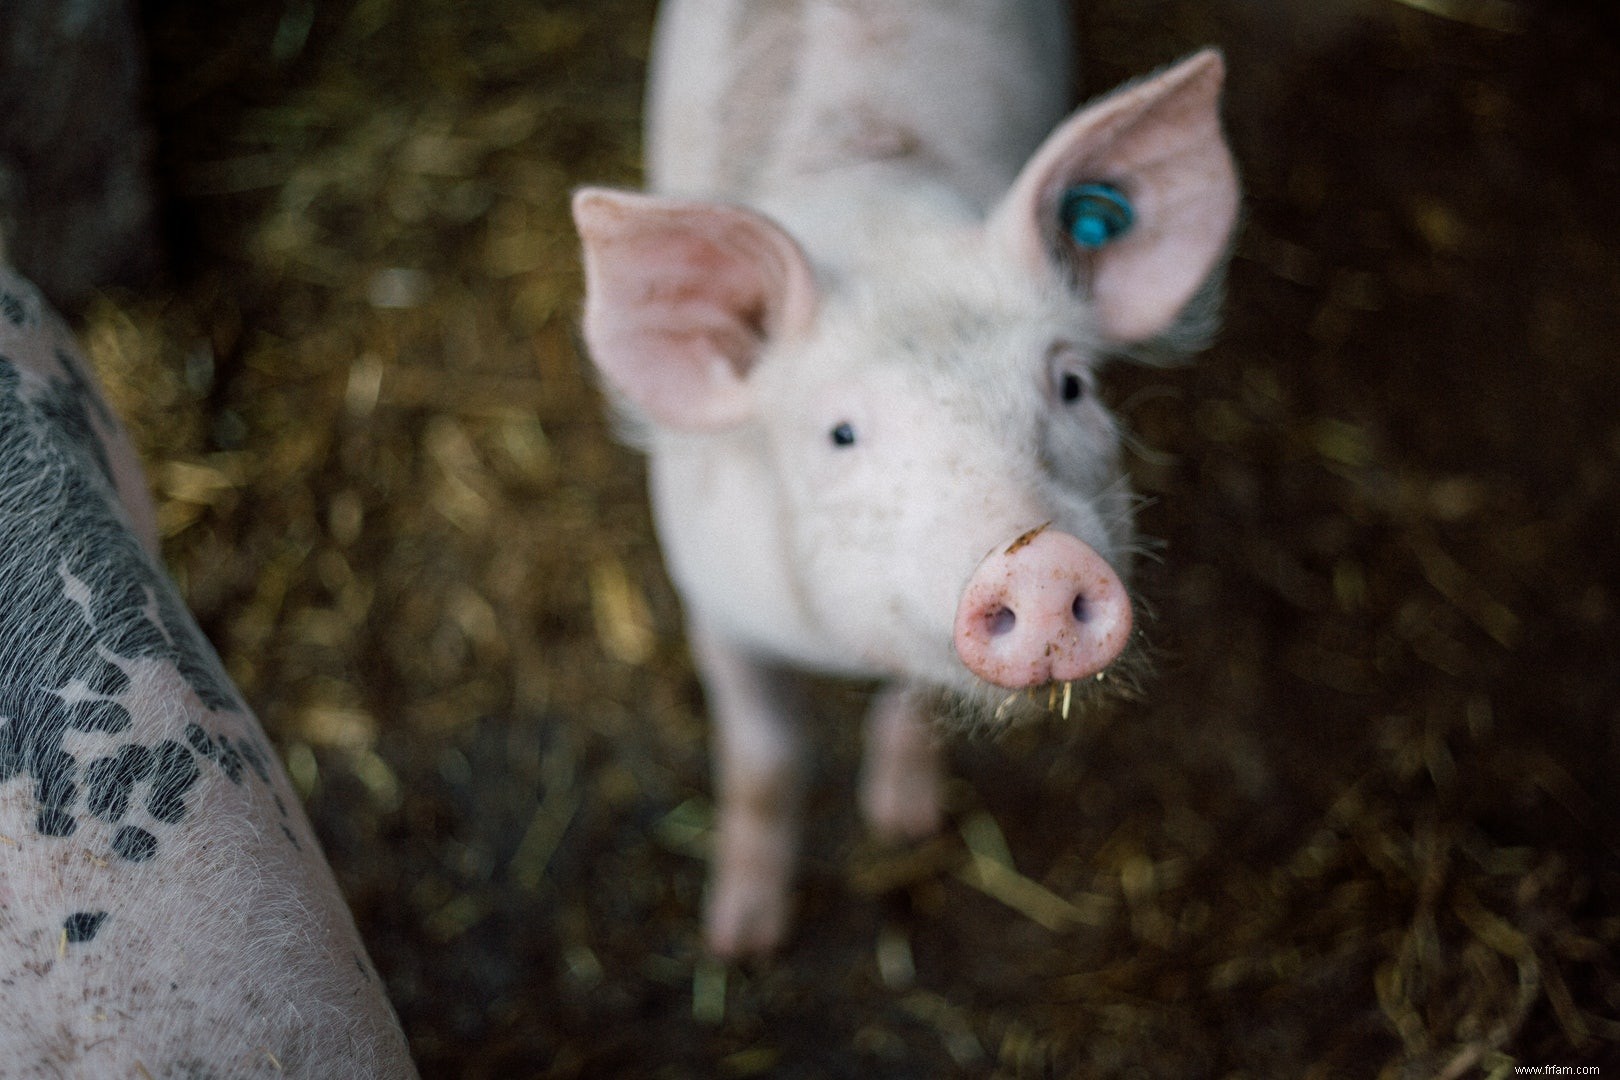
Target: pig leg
x,y
164,906
900,780
758,753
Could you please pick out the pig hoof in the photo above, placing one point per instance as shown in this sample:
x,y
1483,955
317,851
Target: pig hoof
x,y
899,809
745,919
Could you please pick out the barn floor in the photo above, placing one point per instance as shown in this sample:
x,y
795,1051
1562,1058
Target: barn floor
x,y
1362,820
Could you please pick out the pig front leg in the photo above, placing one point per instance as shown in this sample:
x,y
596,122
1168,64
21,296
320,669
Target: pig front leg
x,y
900,778
759,776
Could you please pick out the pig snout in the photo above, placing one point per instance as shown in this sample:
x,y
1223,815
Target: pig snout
x,y
1045,608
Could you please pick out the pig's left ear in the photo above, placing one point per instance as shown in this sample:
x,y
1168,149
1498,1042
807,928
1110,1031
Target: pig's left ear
x,y
1150,176
681,298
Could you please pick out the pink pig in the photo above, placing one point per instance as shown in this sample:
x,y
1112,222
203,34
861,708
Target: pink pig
x,y
857,337
165,909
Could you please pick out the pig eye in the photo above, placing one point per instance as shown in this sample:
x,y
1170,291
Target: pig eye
x,y
842,435
1067,367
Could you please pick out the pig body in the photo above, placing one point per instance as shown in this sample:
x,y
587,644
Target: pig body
x,y
165,910
859,336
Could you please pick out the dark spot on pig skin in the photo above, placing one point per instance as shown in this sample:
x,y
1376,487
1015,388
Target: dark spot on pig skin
x,y
111,779
175,774
13,309
54,822
136,845
229,758
83,926
199,740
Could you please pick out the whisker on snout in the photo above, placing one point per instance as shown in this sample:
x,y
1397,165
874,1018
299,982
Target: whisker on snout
x,y
992,710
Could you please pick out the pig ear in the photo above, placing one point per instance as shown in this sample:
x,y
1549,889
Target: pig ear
x,y
681,298
1158,145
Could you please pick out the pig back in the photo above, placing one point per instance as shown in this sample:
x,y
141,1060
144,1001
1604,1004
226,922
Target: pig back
x,y
746,97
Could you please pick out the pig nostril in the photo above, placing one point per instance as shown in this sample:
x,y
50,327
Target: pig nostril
x,y
1000,621
1081,609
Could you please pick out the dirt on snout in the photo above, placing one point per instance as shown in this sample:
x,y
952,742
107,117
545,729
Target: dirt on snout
x,y
1361,820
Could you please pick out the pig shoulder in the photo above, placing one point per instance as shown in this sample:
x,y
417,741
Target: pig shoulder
x,y
744,97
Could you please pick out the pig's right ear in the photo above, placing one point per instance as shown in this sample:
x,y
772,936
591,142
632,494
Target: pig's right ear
x,y
681,298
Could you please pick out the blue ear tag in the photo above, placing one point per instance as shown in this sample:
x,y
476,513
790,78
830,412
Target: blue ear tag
x,y
1094,214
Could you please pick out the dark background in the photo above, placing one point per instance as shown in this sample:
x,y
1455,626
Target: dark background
x,y
1362,821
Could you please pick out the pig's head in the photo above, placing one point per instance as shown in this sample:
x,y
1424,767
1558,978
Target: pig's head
x,y
950,483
